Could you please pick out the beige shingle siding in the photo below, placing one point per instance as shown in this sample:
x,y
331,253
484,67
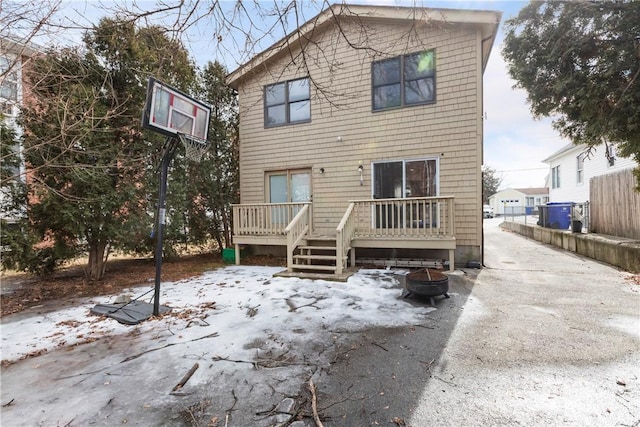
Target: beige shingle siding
x,y
449,129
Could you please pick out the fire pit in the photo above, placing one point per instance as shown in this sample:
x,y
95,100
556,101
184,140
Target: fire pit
x,y
427,283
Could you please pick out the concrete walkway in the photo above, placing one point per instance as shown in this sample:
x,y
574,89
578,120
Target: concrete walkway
x,y
546,338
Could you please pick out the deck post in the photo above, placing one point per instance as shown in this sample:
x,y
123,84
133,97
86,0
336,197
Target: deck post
x,y
353,256
237,245
452,259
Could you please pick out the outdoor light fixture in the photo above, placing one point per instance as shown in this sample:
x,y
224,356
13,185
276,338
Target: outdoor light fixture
x,y
361,169
321,170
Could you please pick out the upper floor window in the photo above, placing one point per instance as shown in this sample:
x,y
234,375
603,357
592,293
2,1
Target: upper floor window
x,y
580,168
404,80
287,103
8,80
555,177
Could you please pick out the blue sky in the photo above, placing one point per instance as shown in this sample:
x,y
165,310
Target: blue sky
x,y
514,143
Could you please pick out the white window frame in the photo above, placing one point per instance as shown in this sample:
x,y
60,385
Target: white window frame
x,y
11,74
580,168
555,177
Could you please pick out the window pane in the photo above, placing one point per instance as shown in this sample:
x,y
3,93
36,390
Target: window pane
x,y
276,115
418,91
386,72
387,180
4,64
421,178
386,96
275,94
419,65
299,111
301,187
298,90
278,189
9,90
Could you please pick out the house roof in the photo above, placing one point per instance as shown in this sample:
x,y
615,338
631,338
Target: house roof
x,y
9,44
563,150
533,190
486,21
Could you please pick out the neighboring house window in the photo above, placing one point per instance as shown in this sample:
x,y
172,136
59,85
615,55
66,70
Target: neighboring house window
x,y
287,103
555,177
530,201
545,199
8,86
404,81
580,175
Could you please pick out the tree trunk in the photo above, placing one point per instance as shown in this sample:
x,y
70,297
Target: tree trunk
x,y
227,228
98,255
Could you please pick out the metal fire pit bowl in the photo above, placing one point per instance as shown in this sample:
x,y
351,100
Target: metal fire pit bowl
x,y
427,283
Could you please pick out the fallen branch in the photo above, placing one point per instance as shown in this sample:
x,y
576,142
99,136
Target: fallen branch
x,y
135,356
314,403
186,377
293,307
378,345
226,359
428,363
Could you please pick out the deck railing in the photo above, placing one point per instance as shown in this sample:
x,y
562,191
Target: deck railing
x,y
344,234
296,231
428,217
265,219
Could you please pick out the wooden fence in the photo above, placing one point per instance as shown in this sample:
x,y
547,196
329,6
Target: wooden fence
x,y
615,205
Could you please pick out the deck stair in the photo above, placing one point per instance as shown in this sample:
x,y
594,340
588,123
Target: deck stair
x,y
316,254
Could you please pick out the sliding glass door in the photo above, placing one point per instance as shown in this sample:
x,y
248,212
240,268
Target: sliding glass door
x,y
404,179
287,186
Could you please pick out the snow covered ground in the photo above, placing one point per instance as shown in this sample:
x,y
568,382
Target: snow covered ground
x,y
241,304
239,323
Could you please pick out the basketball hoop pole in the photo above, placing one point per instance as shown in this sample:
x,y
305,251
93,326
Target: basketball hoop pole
x,y
170,146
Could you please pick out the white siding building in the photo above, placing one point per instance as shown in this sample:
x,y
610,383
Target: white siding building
x,y
518,201
573,166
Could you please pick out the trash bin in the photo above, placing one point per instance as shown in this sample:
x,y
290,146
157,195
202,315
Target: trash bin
x,y
559,215
577,216
543,215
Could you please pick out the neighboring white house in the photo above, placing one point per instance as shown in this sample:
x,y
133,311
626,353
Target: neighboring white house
x,y
13,58
518,201
571,168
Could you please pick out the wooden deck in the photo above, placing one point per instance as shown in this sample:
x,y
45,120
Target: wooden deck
x,y
414,223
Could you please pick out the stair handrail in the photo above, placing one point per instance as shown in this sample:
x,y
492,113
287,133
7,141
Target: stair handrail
x,y
344,234
296,231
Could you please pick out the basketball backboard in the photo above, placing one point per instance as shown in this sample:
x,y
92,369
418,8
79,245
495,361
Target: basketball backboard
x,y
169,112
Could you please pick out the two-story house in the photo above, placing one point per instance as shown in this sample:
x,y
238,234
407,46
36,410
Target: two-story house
x,y
571,168
361,133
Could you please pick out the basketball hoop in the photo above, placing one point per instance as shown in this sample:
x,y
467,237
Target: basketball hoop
x,y
194,148
177,116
